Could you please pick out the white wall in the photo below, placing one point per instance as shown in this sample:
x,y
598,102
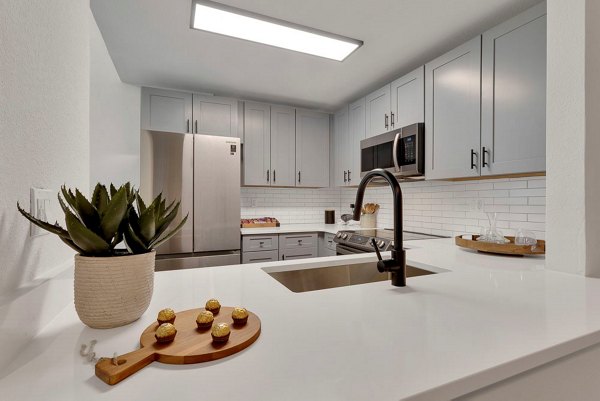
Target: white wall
x,y
114,119
572,143
44,127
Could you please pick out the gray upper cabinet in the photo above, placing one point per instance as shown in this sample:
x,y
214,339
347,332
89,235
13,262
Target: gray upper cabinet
x,y
312,149
408,99
215,115
452,113
513,132
357,132
341,140
378,111
257,144
283,146
164,110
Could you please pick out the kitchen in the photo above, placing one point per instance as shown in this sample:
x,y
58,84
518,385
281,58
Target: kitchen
x,y
479,326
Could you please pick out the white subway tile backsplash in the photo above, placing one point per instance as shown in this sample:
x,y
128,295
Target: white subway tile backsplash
x,y
435,207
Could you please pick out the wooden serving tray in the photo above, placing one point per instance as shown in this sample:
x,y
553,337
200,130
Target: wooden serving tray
x,y
191,345
503,249
259,225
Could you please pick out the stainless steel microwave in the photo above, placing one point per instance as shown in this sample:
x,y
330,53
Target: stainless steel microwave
x,y
401,152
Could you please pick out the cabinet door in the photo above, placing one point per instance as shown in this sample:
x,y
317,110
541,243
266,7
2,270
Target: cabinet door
x,y
312,149
257,144
378,111
357,130
513,132
342,146
283,146
408,99
166,111
215,116
452,113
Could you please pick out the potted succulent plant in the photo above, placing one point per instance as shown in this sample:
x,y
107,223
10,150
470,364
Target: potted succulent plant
x,y
113,287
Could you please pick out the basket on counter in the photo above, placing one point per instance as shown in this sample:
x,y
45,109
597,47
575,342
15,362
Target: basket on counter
x,y
261,222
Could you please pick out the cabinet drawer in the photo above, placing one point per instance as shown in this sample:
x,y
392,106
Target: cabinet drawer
x,y
329,243
297,241
259,243
298,253
258,257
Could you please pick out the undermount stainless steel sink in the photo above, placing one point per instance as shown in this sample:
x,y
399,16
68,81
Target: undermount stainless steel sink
x,y
337,276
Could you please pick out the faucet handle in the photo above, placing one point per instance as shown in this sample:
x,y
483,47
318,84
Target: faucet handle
x,y
374,243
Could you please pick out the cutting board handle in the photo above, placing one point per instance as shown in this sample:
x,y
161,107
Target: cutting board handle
x,y
127,365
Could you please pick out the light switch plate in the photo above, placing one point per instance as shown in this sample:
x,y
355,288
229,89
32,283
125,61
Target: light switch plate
x,y
40,202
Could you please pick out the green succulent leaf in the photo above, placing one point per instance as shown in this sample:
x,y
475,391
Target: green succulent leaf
x,y
84,238
147,224
72,245
113,190
87,212
53,228
114,214
62,204
140,202
133,243
166,221
70,199
158,242
100,198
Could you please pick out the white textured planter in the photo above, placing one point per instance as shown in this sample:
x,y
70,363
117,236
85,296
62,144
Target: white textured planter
x,y
113,291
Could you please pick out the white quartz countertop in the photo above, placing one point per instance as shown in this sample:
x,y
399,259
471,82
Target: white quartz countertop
x,y
299,228
484,319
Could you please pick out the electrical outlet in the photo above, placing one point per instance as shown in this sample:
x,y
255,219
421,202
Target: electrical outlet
x,y
39,207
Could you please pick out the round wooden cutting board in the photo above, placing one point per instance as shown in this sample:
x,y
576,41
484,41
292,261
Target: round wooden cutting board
x,y
191,345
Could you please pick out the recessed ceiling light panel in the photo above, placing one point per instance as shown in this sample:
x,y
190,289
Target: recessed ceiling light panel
x,y
230,21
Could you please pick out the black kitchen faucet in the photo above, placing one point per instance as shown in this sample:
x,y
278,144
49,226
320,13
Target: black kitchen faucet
x,y
397,264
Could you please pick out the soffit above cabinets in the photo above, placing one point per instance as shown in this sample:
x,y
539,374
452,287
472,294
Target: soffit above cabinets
x,y
151,44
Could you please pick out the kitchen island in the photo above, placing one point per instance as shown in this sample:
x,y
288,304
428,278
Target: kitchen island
x,y
479,320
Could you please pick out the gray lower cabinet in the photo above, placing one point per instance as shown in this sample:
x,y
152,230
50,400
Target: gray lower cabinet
x,y
260,257
326,245
266,248
452,113
513,115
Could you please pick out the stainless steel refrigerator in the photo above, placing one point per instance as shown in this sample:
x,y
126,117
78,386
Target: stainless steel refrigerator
x,y
203,172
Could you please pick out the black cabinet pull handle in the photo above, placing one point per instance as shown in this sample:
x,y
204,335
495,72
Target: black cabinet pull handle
x,y
196,126
349,179
298,176
267,175
345,175
188,126
274,176
483,153
386,120
473,165
392,118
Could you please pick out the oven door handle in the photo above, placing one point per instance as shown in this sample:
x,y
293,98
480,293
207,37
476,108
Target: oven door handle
x,y
395,150
344,250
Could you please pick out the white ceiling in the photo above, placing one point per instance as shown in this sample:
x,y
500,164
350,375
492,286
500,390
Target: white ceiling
x,y
151,44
